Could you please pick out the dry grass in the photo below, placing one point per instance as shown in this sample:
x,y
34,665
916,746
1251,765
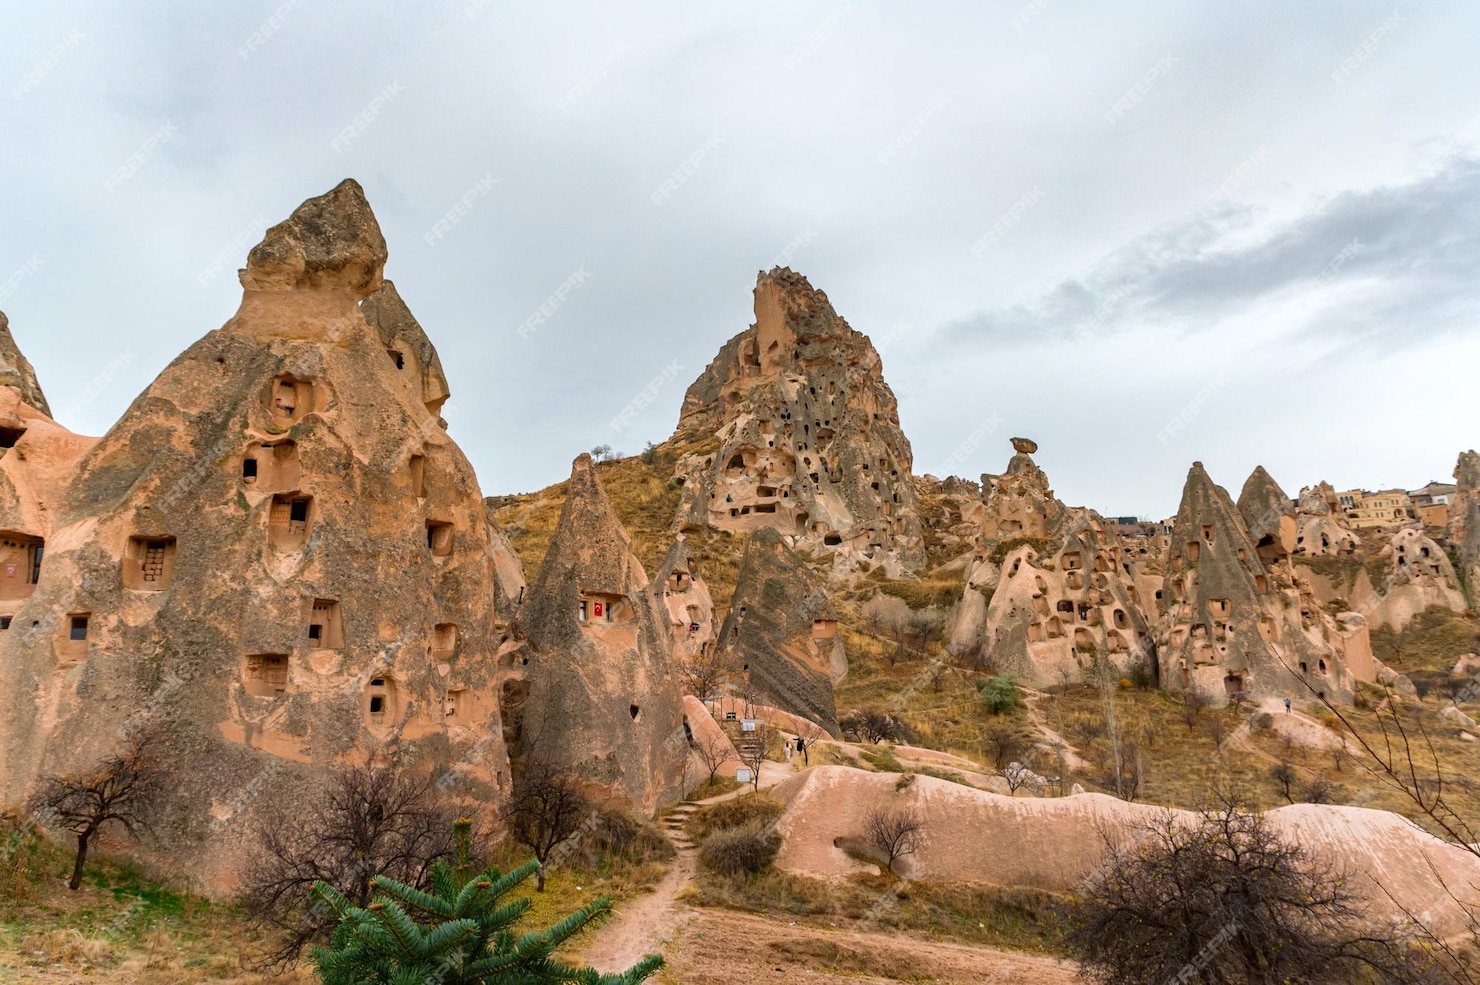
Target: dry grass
x,y
646,500
1018,919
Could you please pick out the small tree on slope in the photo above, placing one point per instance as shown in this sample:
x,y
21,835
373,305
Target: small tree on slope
x,y
462,932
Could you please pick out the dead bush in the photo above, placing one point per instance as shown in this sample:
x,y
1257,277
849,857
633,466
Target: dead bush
x,y
729,814
743,851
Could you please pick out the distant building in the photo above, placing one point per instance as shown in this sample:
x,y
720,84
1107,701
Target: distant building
x,y
1387,508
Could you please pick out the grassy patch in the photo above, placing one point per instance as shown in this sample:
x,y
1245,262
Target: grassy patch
x,y
753,808
1018,919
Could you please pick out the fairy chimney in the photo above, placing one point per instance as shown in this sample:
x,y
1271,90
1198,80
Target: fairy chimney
x,y
278,553
808,437
601,693
782,633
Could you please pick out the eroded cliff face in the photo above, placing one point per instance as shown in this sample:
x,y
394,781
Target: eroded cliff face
x,y
797,432
782,634
1463,530
1237,620
16,371
1051,590
277,557
595,687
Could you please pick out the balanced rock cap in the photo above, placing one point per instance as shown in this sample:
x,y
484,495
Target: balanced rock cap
x,y
330,242
1024,446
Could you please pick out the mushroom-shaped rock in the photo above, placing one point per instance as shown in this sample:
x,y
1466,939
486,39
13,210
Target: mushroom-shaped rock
x,y
331,242
1024,446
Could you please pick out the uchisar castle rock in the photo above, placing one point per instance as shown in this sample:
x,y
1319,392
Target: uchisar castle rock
x,y
278,561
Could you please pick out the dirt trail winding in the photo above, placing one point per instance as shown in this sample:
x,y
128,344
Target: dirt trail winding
x,y
643,925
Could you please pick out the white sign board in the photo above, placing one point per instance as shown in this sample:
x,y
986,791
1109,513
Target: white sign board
x,y
748,725
742,776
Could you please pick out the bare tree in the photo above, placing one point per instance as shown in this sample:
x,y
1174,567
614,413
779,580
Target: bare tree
x,y
369,821
1226,900
1285,777
1004,744
753,757
894,832
875,726
1320,791
1194,703
1017,775
121,789
713,752
546,810
707,674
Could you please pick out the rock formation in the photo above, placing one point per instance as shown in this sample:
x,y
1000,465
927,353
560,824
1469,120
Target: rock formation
x,y
793,428
782,633
686,598
407,344
602,693
1234,625
1051,588
1269,516
16,370
37,457
1463,530
277,555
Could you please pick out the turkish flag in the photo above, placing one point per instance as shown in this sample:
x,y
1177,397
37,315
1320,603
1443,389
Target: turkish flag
x,y
597,609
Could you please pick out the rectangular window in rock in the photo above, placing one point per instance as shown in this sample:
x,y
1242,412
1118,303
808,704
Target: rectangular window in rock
x,y
444,640
325,630
439,537
265,675
289,521
148,563
20,564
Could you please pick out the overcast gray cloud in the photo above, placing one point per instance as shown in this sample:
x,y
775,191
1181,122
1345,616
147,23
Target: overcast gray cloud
x,y
966,180
1394,265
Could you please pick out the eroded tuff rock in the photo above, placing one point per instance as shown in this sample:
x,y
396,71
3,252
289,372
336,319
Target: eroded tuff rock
x,y
277,556
600,692
782,633
800,434
1051,590
1269,516
687,600
1233,625
1463,530
1389,575
406,343
16,370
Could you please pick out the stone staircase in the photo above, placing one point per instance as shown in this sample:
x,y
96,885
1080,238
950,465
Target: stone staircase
x,y
748,744
673,823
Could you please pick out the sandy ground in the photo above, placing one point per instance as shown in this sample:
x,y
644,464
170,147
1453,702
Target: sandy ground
x,y
717,946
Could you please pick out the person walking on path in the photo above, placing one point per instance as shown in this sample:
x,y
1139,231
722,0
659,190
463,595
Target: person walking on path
x,y
1287,706
802,748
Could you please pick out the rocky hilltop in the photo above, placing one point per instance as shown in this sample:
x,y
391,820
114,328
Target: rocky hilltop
x,y
799,433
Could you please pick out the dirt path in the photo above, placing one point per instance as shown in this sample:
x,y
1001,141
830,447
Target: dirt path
x,y
643,925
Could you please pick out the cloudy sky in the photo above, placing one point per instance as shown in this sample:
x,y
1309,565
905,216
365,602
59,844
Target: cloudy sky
x,y
1140,234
